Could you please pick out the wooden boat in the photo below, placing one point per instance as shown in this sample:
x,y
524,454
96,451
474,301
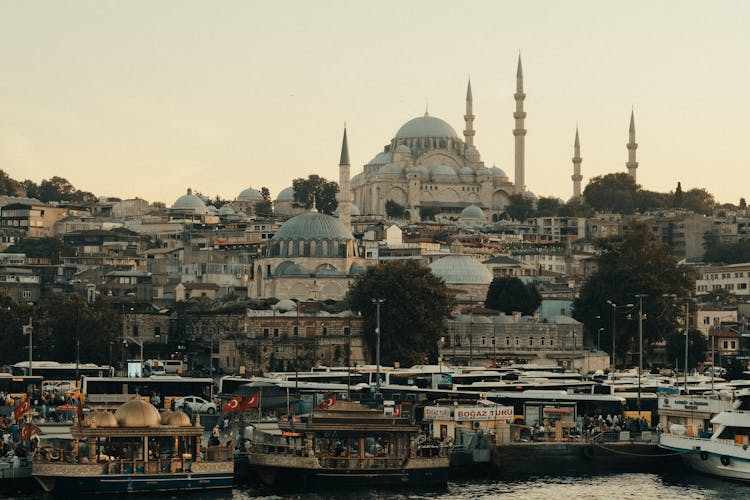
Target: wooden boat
x,y
134,449
347,444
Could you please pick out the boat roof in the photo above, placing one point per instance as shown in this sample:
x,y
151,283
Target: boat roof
x,y
733,418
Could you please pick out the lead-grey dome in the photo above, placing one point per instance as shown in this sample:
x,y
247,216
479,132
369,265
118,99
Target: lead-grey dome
x,y
425,126
472,212
286,194
381,159
461,269
250,194
190,201
226,210
313,226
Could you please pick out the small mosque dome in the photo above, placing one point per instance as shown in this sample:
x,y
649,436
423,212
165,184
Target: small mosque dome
x,y
444,172
286,194
289,268
354,209
356,269
420,170
425,126
176,419
212,209
498,172
472,212
313,226
531,195
466,172
226,210
391,170
101,418
137,413
190,202
461,269
462,318
381,159
250,194
285,305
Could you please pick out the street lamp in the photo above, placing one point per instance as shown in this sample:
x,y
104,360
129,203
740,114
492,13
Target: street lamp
x,y
29,330
687,330
377,303
614,325
640,297
598,339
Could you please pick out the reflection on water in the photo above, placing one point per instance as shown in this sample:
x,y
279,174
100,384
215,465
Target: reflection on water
x,y
594,487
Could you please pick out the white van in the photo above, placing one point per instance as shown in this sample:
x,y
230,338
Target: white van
x,y
172,366
153,367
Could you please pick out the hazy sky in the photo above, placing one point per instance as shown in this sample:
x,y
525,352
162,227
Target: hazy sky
x,y
148,98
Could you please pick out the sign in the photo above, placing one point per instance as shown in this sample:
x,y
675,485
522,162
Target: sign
x,y
437,412
470,413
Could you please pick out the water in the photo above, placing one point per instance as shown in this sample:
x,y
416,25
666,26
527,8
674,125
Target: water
x,y
593,487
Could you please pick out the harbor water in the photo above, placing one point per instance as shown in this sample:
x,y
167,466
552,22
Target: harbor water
x,y
543,487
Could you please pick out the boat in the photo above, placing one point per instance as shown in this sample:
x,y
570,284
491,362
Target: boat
x,y
15,474
724,453
134,449
347,444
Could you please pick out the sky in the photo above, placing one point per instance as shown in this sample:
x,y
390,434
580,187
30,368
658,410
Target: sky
x,y
148,98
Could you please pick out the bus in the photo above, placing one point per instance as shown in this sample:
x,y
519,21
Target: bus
x,y
19,385
114,391
52,370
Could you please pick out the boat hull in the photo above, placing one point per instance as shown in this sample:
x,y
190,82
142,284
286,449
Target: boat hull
x,y
717,458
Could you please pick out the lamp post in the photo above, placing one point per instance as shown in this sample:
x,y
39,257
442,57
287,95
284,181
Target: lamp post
x,y
29,330
687,335
573,358
614,325
640,297
598,339
377,303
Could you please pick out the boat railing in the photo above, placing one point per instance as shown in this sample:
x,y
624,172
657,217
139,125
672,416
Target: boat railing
x,y
113,465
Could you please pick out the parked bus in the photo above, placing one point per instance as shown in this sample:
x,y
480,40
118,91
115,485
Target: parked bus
x,y
114,391
21,385
52,370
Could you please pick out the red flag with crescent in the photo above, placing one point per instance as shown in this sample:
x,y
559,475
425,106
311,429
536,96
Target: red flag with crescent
x,y
329,401
250,402
232,405
397,411
22,409
28,430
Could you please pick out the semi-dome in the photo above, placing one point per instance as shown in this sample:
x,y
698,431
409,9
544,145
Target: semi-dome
x,y
289,268
425,126
285,305
286,194
137,413
472,212
443,172
212,209
100,418
354,210
420,170
392,170
356,269
226,210
498,172
190,202
176,418
250,194
461,269
313,226
466,172
381,159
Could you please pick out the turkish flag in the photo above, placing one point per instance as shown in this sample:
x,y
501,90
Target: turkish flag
x,y
232,405
28,430
397,411
250,402
22,409
328,402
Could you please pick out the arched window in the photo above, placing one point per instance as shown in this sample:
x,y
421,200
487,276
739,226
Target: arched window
x,y
507,341
518,341
541,341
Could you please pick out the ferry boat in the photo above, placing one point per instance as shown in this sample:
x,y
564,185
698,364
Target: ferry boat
x,y
347,444
725,453
134,449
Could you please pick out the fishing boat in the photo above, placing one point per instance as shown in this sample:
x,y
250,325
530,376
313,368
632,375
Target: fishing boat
x,y
347,444
134,449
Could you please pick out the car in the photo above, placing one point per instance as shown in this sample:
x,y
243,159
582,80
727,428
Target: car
x,y
196,404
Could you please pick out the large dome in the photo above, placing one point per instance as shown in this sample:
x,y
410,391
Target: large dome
x,y
425,126
190,201
286,194
472,212
461,269
313,226
137,413
250,194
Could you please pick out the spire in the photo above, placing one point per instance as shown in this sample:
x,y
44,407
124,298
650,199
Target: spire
x,y
427,109
469,118
577,177
315,205
344,196
632,164
520,132
344,150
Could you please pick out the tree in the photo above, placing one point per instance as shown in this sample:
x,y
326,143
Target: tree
x,y
510,294
630,264
520,207
678,196
394,210
13,315
729,253
699,201
575,207
547,206
8,186
316,188
413,316
612,193
743,204
30,189
428,213
697,348
263,208
44,248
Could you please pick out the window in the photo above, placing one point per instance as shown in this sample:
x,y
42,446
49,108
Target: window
x,y
157,331
296,331
347,331
518,341
733,344
265,333
325,330
135,330
541,341
726,344
458,340
507,341
706,320
276,332
483,341
531,341
551,342
279,349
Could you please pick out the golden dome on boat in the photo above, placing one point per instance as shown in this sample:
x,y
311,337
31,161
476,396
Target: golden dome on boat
x,y
100,418
176,418
137,413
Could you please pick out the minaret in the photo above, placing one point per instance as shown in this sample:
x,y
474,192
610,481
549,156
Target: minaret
x,y
344,196
520,131
577,177
632,146
469,118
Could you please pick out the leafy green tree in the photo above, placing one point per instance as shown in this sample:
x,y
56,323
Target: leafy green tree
x,y
743,204
699,201
218,201
8,186
575,207
263,208
428,213
394,210
13,315
413,316
729,253
30,189
547,206
45,248
612,193
315,188
697,348
630,264
678,196
646,201
520,207
510,294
